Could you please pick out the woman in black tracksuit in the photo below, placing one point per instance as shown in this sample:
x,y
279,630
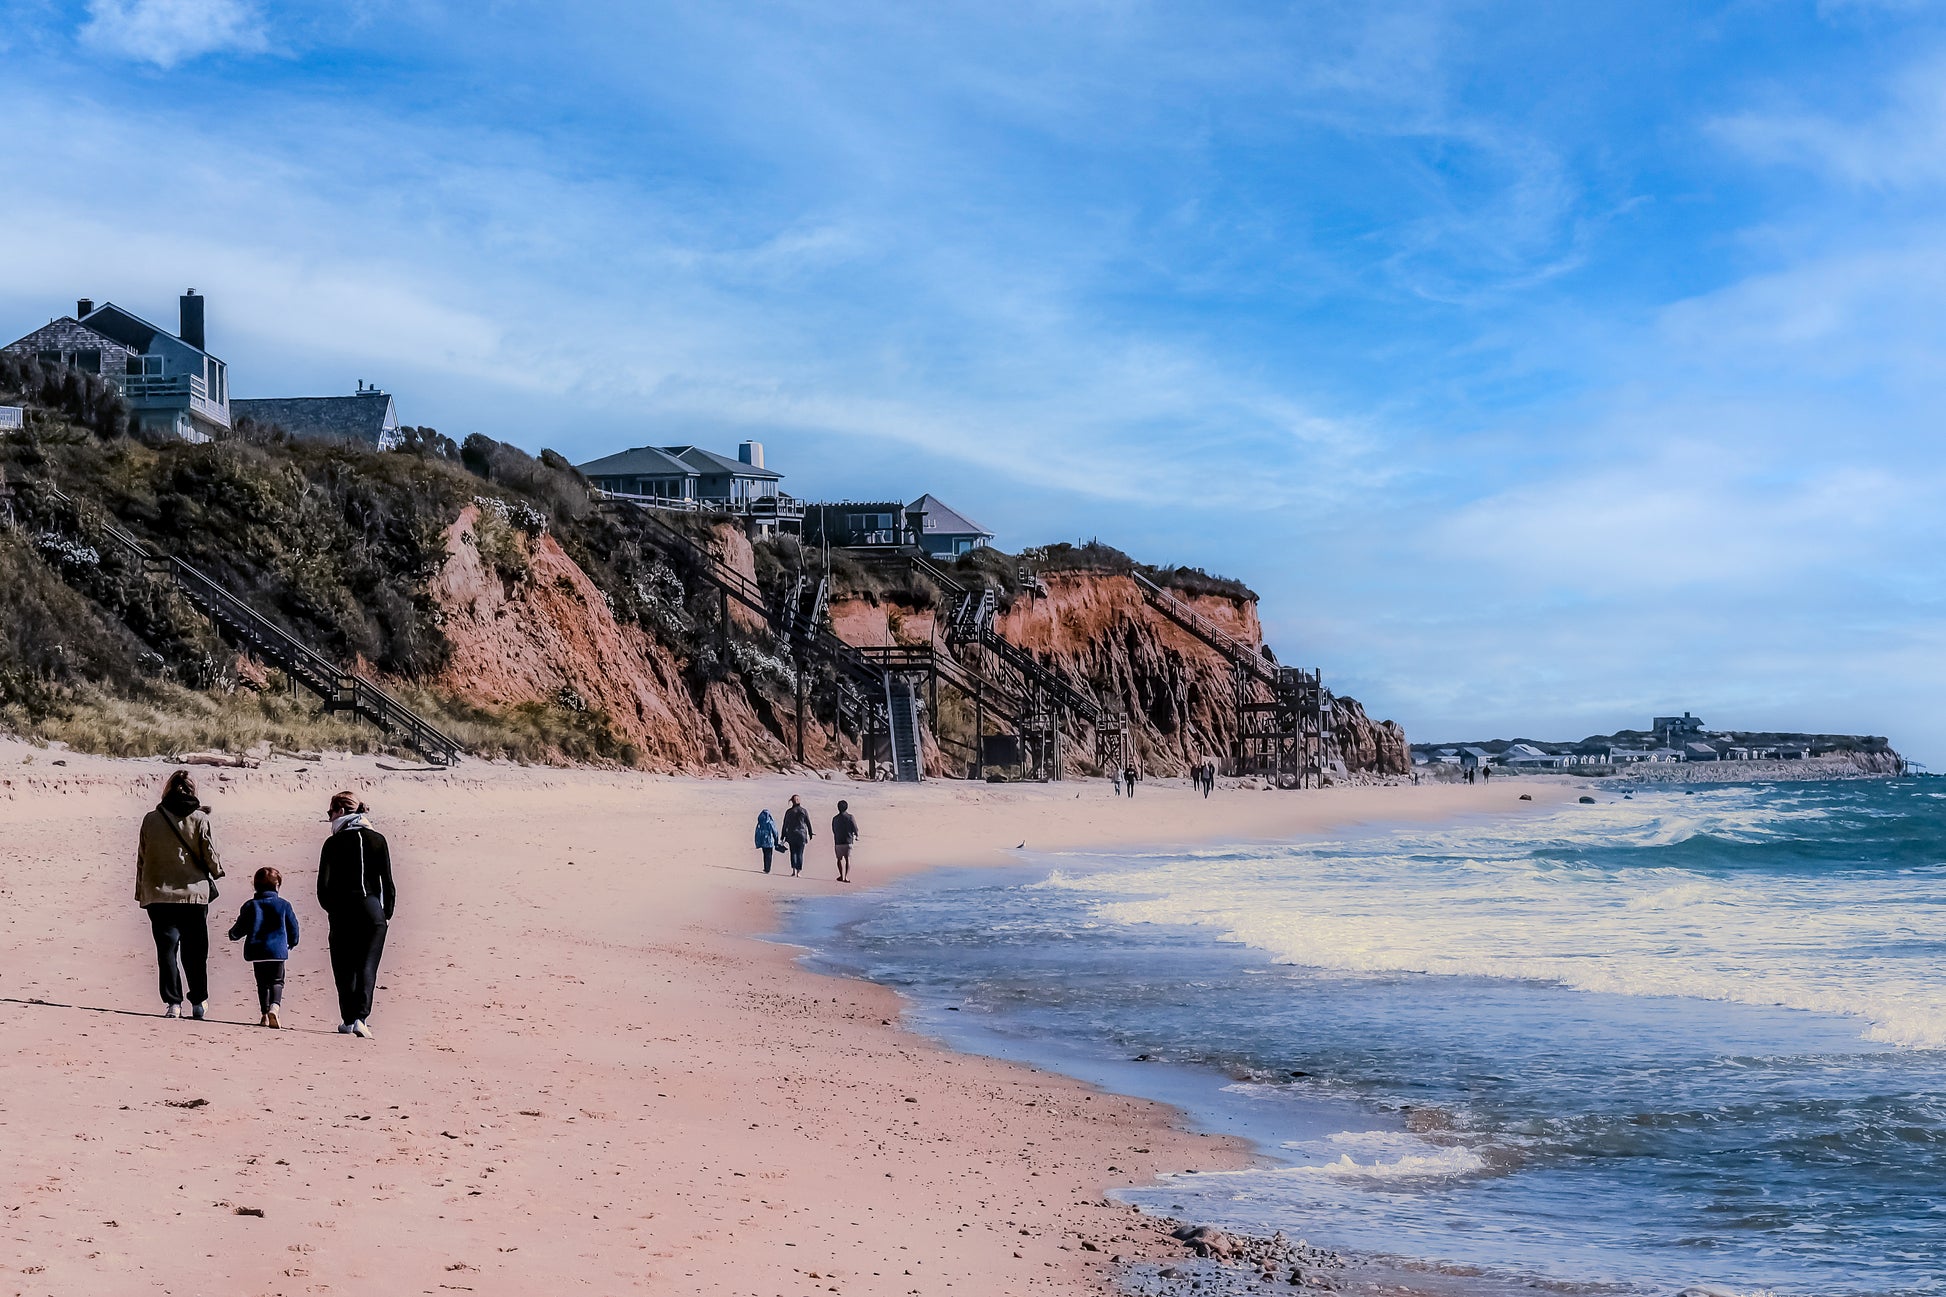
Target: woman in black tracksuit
x,y
355,891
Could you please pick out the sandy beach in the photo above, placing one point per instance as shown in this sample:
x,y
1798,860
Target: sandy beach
x,y
591,1072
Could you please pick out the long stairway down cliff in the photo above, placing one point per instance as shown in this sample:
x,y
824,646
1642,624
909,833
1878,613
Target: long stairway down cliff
x,y
250,631
861,682
1286,715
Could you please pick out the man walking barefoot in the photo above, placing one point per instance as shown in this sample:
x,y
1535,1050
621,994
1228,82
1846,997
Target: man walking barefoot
x,y
844,832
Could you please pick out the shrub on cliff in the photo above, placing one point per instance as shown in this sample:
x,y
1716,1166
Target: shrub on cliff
x,y
86,399
1094,556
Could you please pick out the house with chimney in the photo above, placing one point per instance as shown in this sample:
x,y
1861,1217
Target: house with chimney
x,y
172,382
367,417
690,479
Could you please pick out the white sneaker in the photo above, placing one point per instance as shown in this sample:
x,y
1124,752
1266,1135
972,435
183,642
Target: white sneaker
x,y
360,1029
201,1010
345,1029
173,1011
270,1019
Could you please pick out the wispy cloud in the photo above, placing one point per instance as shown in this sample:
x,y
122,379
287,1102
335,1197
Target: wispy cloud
x,y
1896,141
169,32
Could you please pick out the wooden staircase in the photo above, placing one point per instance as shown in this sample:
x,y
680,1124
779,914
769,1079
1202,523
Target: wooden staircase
x,y
902,709
248,630
1285,716
861,683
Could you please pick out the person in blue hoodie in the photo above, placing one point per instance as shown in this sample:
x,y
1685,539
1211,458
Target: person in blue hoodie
x,y
766,836
267,927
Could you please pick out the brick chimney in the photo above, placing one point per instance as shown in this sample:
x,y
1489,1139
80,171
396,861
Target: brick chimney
x,y
191,331
84,307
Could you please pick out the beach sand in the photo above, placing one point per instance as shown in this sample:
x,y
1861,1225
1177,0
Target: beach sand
x,y
591,1074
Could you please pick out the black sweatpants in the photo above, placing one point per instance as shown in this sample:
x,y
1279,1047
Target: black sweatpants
x,y
181,932
357,941
797,846
270,984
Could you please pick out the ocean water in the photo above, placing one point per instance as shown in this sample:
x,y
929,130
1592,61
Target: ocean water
x,y
1688,1039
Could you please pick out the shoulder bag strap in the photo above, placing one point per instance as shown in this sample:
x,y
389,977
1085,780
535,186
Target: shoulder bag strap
x,y
194,854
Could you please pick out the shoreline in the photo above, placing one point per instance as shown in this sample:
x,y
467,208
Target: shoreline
x,y
756,1121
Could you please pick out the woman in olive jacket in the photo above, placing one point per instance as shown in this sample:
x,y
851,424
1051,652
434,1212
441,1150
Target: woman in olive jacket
x,y
176,868
355,891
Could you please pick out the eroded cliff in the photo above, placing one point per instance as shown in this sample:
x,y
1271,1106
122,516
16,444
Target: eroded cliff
x,y
1177,692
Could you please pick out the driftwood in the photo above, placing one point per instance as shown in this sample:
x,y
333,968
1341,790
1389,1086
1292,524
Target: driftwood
x,y
234,762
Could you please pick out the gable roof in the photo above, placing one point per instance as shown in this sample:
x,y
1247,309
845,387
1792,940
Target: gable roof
x,y
708,461
643,461
364,417
125,327
937,516
132,331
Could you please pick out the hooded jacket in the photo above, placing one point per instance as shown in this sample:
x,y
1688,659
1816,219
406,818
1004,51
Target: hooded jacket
x,y
267,926
766,830
166,873
355,871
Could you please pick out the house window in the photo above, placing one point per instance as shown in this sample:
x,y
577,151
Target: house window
x,y
152,366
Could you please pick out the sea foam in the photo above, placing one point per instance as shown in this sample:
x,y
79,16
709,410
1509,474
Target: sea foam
x,y
1632,898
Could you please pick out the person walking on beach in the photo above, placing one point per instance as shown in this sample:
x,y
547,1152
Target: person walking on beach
x,y
1128,777
1115,778
267,926
844,832
176,868
766,836
797,833
356,893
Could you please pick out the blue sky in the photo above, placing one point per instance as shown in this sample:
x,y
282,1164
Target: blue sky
x,y
1543,366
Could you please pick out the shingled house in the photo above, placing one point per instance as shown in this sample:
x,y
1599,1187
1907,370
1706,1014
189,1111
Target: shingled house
x,y
942,531
172,384
367,417
679,475
928,523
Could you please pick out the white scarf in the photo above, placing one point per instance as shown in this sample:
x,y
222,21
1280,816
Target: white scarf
x,y
355,820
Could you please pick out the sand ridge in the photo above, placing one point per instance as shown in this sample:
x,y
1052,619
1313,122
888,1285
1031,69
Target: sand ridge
x,y
589,1076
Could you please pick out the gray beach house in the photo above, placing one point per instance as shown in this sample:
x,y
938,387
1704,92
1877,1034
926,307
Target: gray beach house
x,y
172,384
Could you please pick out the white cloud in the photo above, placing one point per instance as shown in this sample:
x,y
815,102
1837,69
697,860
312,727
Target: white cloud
x,y
1899,145
168,32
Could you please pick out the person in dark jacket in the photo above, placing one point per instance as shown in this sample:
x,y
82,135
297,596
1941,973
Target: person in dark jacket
x,y
355,891
267,927
844,832
797,833
176,868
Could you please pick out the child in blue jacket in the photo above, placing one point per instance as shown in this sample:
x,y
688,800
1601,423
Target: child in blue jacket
x,y
267,926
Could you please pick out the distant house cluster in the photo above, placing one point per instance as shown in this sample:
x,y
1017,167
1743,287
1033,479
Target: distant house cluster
x,y
175,386
1681,738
